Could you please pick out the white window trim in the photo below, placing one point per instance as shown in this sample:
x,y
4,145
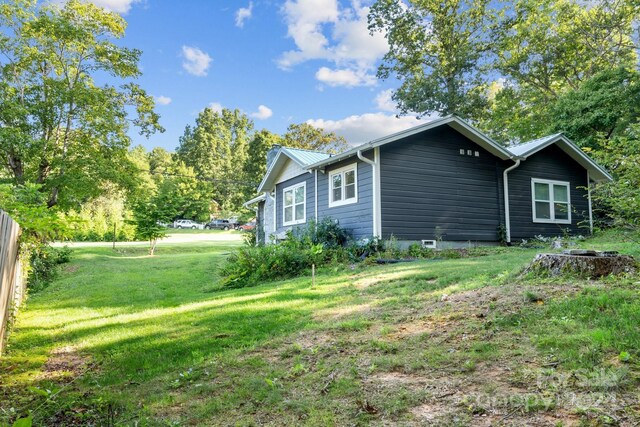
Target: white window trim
x,y
342,170
304,204
551,202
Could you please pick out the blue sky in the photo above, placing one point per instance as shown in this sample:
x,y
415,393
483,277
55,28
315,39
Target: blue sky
x,y
281,62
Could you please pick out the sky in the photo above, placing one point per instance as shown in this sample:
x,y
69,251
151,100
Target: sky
x,y
280,62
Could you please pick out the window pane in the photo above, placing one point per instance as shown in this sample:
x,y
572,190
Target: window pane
x,y
561,211
337,180
299,212
560,193
349,177
542,191
350,191
337,194
288,214
542,210
288,198
299,194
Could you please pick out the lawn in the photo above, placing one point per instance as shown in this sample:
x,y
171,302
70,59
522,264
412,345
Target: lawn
x,y
122,339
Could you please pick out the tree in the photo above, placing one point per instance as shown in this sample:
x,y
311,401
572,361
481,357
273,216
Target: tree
x,y
309,137
148,215
436,50
216,149
60,128
600,109
256,163
548,47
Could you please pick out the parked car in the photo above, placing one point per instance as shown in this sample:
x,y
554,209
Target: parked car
x,y
219,224
248,226
187,223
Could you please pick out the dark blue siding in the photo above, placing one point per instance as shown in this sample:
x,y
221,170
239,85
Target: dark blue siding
x,y
427,184
554,164
357,218
310,205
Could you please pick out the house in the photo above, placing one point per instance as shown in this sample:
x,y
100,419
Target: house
x,y
440,181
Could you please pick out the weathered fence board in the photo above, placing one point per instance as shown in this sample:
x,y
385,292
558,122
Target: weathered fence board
x,y
11,278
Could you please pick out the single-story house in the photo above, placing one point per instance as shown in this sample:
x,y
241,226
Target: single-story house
x,y
441,181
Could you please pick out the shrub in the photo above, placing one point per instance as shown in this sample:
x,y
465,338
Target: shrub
x,y
44,266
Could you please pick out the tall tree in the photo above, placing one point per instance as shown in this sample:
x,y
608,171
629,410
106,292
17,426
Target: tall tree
x,y
256,164
548,47
436,50
59,127
216,148
309,137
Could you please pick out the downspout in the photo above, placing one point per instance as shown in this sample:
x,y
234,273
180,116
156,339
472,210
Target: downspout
x,y
374,177
505,182
590,209
315,198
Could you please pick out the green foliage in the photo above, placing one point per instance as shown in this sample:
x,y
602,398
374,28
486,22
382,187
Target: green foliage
x,y
217,149
147,216
59,127
44,266
309,137
601,108
256,164
319,244
96,220
27,205
436,50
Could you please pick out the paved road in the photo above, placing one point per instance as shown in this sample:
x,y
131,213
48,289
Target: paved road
x,y
171,238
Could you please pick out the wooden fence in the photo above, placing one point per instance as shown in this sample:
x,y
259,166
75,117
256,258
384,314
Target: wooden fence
x,y
11,278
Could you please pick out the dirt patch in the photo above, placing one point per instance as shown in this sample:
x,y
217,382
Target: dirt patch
x,y
336,313
64,362
71,268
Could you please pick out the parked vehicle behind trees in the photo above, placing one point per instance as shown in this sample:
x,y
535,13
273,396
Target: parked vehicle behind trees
x,y
187,223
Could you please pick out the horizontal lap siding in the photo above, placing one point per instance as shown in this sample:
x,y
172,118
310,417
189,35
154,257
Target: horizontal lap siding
x,y
426,183
357,218
310,205
554,164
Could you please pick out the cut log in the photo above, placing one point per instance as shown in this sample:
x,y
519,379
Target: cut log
x,y
589,265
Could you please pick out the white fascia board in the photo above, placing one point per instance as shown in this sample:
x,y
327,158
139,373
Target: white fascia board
x,y
597,172
275,167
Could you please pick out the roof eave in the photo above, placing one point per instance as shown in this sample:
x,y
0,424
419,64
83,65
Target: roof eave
x,y
458,124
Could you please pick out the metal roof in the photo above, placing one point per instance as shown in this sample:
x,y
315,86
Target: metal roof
x,y
524,148
305,157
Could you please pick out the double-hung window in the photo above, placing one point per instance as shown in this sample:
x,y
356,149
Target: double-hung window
x,y
343,186
551,201
294,201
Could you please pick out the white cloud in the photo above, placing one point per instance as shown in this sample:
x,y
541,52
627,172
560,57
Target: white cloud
x,y
118,6
322,30
358,129
263,113
345,77
163,100
196,61
215,106
243,14
384,102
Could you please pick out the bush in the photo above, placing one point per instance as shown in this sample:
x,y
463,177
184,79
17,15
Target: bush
x,y
252,265
44,266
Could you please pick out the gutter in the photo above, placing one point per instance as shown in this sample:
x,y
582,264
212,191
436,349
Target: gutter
x,y
505,183
375,188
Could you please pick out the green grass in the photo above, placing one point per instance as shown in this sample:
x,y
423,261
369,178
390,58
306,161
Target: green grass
x,y
125,338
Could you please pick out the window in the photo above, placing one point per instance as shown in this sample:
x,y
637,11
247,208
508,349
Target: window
x,y
551,201
343,188
294,203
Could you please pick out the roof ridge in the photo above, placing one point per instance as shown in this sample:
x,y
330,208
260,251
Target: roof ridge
x,y
305,149
537,139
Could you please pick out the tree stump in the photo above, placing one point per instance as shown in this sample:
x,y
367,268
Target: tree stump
x,y
585,263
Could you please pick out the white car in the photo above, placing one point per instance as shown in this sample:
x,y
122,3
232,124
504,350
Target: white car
x,y
187,223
